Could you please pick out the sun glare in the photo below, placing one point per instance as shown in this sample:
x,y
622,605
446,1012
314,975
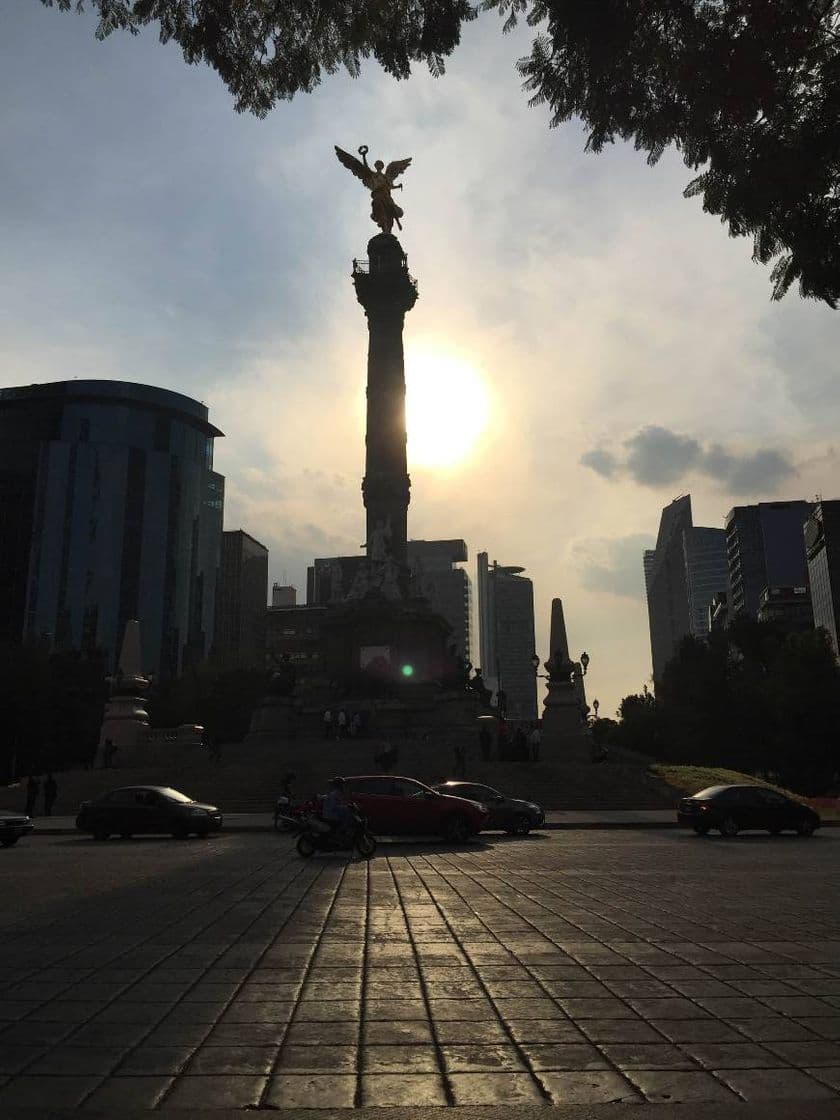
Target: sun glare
x,y
447,408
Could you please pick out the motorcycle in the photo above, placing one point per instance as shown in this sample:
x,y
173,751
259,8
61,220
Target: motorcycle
x,y
318,836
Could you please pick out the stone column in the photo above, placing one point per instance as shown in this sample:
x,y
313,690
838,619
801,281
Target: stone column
x,y
386,291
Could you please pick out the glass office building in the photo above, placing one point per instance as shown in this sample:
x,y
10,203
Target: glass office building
x,y
109,510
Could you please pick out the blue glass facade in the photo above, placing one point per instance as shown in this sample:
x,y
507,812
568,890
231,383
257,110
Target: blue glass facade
x,y
125,519
765,548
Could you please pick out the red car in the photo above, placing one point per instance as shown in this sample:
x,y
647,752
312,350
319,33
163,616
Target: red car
x,y
403,807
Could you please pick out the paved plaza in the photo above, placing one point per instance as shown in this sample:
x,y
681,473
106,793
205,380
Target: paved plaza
x,y
558,969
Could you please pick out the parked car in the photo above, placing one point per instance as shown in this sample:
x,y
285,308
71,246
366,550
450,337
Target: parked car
x,y
134,809
731,809
510,814
12,827
404,807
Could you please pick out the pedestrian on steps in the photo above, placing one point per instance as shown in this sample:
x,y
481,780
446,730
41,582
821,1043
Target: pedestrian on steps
x,y
50,794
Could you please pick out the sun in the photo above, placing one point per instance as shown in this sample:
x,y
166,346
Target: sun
x,y
447,409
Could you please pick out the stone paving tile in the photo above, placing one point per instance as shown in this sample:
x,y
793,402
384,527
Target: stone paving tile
x,y
647,1055
775,1085
391,1059
215,1091
26,1091
674,1086
619,1030
316,1059
403,1032
297,1091
388,1089
731,1055
825,1028
507,1088
591,1087
564,1055
828,1075
116,1094
249,981
807,1053
233,1059
73,1060
540,1031
774,1028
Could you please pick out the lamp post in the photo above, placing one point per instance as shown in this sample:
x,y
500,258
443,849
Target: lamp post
x,y
584,661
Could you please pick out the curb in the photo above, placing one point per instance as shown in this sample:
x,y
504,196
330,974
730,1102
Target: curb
x,y
554,826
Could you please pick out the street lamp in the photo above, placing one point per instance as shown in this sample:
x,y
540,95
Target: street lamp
x,y
584,661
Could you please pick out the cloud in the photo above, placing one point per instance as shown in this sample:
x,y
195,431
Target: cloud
x,y
612,564
656,456
601,461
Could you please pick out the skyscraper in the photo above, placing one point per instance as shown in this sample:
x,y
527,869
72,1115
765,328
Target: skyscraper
x,y
706,573
241,604
506,634
667,592
283,595
111,511
435,576
682,575
822,543
765,549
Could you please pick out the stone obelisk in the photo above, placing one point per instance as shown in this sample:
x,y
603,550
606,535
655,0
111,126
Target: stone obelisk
x,y
386,291
562,713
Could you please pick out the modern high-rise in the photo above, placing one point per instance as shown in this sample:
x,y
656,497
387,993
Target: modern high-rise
x,y
110,510
682,576
283,595
765,548
506,635
706,573
241,605
667,594
436,576
822,544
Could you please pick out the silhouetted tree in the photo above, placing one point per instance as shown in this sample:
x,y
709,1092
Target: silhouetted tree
x,y
748,91
52,706
751,698
220,699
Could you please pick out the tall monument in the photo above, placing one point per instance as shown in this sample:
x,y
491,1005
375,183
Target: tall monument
x,y
564,706
380,623
386,291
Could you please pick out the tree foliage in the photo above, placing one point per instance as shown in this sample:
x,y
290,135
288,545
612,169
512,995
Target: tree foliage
x,y
219,698
751,698
52,704
748,91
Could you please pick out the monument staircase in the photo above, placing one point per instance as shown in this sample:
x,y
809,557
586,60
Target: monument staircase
x,y
248,775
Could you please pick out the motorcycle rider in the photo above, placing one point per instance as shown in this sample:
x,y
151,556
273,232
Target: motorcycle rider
x,y
335,810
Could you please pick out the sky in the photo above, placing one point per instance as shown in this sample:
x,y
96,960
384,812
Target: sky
x,y
619,348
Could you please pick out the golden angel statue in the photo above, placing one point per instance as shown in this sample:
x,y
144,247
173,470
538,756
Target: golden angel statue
x,y
380,181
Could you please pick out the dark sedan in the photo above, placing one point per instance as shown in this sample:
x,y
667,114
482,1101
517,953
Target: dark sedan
x,y
510,814
145,809
12,827
732,809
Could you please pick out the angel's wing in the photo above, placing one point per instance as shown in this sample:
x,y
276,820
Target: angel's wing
x,y
354,165
396,167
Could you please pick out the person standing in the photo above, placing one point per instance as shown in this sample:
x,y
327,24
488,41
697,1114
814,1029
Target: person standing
x,y
535,741
33,788
342,724
328,722
50,794
485,742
